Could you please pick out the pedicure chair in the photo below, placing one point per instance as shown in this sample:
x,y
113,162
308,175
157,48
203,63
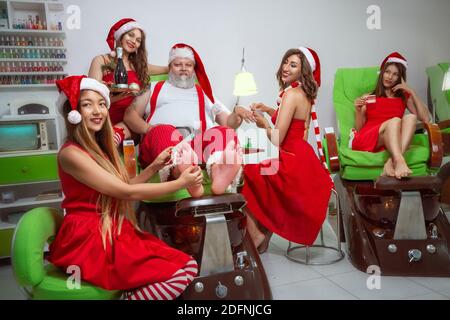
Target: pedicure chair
x,y
396,225
213,230
439,105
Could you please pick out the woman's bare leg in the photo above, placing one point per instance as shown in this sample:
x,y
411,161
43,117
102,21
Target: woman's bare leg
x,y
256,234
408,128
391,131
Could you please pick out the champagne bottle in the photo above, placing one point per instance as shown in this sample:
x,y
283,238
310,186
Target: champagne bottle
x,y
120,73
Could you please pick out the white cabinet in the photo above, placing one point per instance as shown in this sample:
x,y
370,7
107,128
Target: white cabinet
x,y
32,52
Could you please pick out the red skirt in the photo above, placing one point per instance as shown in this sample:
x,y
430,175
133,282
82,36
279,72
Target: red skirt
x,y
133,260
289,196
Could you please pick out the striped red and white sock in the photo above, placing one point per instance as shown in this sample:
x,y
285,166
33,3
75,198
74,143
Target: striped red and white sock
x,y
167,290
119,135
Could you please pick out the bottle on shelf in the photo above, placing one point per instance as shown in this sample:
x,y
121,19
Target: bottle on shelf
x,y
120,73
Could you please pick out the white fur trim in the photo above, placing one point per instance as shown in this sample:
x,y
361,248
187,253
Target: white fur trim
x,y
216,157
184,52
164,173
92,84
126,28
232,188
74,117
351,136
397,60
309,57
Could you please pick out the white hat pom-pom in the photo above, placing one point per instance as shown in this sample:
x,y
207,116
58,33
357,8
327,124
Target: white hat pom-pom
x,y
74,117
112,54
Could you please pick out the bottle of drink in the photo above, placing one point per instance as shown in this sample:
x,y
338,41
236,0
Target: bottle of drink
x,y
129,157
120,73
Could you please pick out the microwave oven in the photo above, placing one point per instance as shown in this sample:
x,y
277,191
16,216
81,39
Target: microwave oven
x,y
23,136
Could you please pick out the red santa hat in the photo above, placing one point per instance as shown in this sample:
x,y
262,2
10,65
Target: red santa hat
x,y
118,29
314,62
70,88
394,57
181,50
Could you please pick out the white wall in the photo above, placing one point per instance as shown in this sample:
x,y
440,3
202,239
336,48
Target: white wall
x,y
219,29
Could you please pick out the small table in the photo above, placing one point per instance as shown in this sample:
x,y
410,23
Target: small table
x,y
252,150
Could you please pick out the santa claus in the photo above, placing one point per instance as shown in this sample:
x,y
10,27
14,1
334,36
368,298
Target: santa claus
x,y
179,103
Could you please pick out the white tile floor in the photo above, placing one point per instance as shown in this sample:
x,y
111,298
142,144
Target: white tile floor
x,y
294,281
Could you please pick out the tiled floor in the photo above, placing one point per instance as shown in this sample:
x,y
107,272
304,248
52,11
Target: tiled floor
x,y
294,281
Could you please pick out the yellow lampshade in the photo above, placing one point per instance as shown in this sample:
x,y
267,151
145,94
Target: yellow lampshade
x,y
446,83
244,84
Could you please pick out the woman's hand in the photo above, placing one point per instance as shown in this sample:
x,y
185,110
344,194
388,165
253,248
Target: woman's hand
x,y
404,87
261,107
261,121
360,102
245,114
114,97
162,160
191,176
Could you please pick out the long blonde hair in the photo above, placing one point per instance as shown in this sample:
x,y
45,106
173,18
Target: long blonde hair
x,y
103,150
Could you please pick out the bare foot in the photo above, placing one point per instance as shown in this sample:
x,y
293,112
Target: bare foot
x,y
224,172
185,158
401,169
388,169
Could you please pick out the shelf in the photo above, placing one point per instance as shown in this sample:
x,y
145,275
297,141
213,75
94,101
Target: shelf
x,y
26,153
26,32
33,47
27,86
34,60
60,73
25,202
27,117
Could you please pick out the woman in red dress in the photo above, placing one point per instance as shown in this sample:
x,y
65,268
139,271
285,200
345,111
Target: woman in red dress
x,y
380,121
129,35
289,195
99,233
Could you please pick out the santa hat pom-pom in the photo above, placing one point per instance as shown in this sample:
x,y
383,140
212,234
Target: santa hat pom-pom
x,y
74,117
112,54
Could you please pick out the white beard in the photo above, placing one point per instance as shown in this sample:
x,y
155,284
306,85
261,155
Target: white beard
x,y
183,82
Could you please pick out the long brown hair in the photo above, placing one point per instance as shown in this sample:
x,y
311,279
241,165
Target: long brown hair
x,y
309,85
102,149
380,90
138,60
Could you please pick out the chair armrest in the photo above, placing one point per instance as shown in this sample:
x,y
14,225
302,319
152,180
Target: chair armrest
x,y
444,124
435,142
332,151
445,135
